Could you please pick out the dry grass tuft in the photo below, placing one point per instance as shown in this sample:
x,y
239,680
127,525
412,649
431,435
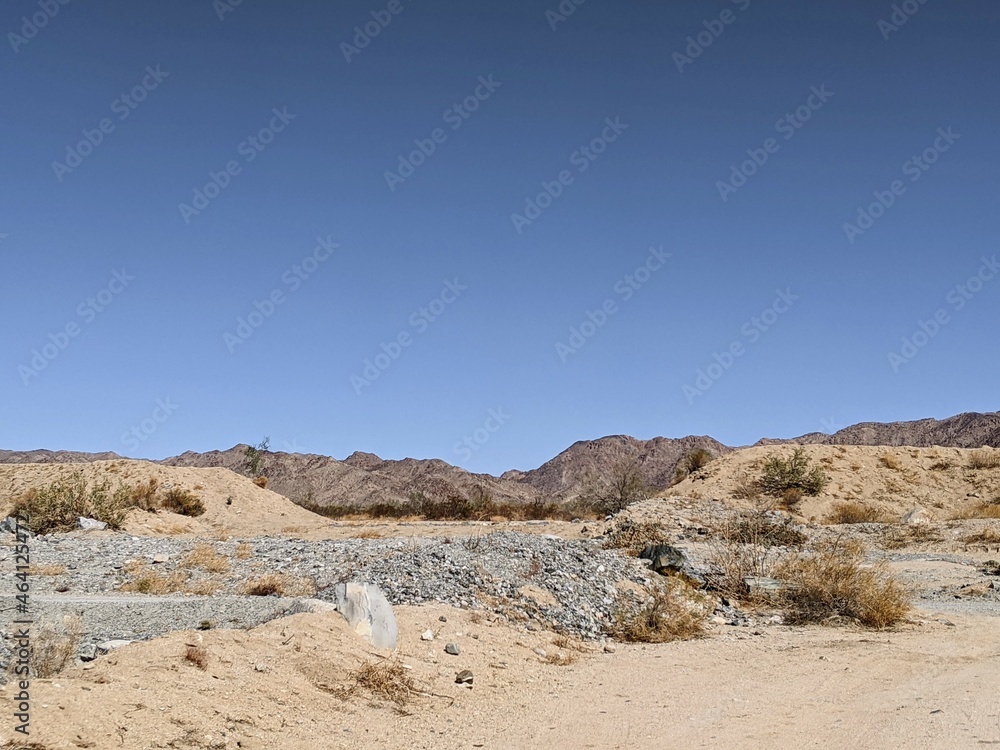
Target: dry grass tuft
x,y
244,550
674,611
197,655
890,461
203,588
985,458
632,536
146,581
46,570
560,659
53,648
979,510
279,584
386,680
898,537
833,581
205,557
855,512
368,534
984,536
261,482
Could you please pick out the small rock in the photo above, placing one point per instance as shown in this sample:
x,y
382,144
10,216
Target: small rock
x,y
539,651
718,620
464,677
761,585
442,618
916,517
453,649
106,647
610,648
261,667
90,524
87,652
427,635
160,558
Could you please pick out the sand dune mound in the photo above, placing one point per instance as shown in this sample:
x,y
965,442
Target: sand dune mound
x,y
233,504
942,481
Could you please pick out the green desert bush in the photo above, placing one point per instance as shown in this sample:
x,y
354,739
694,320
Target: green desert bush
x,y
785,477
693,462
57,506
182,501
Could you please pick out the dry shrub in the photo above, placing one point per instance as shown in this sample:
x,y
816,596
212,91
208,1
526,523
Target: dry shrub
x,y
385,680
203,588
762,529
197,655
632,536
833,581
673,611
46,570
260,482
984,536
57,506
984,458
942,465
979,510
855,512
177,500
279,584
692,463
898,537
745,488
560,659
568,644
144,494
244,550
368,534
54,647
146,581
205,557
890,461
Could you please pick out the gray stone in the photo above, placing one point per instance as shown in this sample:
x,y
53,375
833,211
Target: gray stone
x,y
427,635
90,524
368,612
464,677
87,652
916,517
106,647
312,606
453,649
160,558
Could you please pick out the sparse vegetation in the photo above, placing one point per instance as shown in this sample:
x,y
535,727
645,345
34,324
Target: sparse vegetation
x,y
253,458
244,550
197,655
620,487
205,557
984,458
632,536
988,535
762,529
386,680
692,463
979,510
182,501
854,512
53,647
942,465
833,581
57,506
898,537
890,461
279,584
147,581
780,476
674,611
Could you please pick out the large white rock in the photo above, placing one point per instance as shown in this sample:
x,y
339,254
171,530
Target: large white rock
x,y
367,610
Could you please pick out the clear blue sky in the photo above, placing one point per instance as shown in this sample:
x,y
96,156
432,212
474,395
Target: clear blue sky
x,y
207,86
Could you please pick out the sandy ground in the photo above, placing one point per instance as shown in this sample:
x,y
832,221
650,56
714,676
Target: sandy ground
x,y
895,480
929,685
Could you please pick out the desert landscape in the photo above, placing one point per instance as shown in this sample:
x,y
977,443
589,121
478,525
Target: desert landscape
x,y
842,591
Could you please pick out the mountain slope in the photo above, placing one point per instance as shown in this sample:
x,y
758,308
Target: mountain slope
x,y
969,430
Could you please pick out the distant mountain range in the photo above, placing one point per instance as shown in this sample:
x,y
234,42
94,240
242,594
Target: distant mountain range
x,y
363,478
